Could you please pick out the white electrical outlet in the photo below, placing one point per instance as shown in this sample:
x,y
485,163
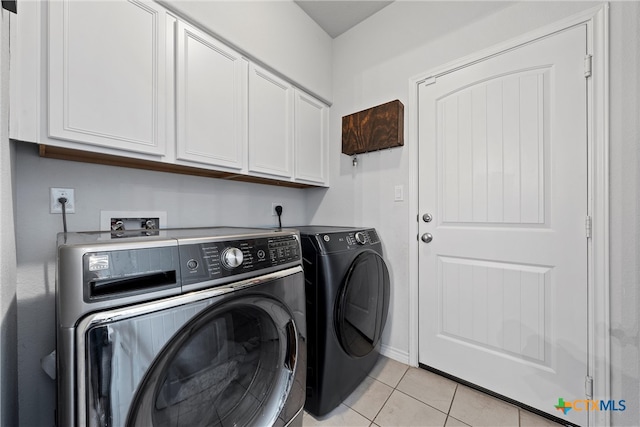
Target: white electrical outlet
x,y
273,208
57,193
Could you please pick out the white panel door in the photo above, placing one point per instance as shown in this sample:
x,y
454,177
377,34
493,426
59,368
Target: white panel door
x,y
270,124
107,83
311,122
503,172
211,97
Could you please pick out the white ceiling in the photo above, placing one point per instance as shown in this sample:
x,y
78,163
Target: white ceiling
x,y
337,16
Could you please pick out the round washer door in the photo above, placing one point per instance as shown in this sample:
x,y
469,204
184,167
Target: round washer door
x,y
231,365
363,304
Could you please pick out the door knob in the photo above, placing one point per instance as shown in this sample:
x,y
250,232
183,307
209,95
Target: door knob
x,y
427,217
426,237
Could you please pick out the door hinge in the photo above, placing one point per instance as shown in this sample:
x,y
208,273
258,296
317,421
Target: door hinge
x,y
588,64
588,387
588,224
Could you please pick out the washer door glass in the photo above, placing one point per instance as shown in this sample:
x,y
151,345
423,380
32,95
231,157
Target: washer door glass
x,y
231,365
363,304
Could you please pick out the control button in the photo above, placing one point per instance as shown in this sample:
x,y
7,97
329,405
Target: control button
x,y
361,238
231,258
261,254
192,264
326,238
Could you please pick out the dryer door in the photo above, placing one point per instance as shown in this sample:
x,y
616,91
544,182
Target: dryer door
x,y
230,362
362,304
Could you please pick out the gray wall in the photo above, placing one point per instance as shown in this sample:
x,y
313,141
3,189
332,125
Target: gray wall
x,y
189,202
8,318
625,208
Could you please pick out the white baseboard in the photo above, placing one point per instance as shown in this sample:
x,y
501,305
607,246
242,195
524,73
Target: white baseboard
x,y
395,354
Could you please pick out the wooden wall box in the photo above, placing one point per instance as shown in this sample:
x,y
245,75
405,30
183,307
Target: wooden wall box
x,y
373,129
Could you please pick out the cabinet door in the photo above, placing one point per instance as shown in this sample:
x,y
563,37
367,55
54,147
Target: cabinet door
x,y
211,100
311,120
107,80
270,124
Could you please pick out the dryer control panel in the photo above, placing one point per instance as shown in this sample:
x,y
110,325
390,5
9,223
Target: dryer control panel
x,y
221,259
333,242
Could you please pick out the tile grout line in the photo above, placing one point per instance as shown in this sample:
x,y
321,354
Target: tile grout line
x,y
416,399
394,388
519,417
401,378
452,399
451,406
420,401
385,402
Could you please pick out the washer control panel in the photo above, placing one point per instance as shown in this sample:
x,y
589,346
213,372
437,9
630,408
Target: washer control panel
x,y
219,259
231,257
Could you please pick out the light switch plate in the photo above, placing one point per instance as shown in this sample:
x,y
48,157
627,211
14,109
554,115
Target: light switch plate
x,y
399,193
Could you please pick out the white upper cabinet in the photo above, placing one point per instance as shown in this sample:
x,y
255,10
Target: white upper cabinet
x,y
129,79
270,124
107,74
211,98
311,135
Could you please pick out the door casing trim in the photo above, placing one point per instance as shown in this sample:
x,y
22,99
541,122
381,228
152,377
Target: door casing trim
x,y
598,325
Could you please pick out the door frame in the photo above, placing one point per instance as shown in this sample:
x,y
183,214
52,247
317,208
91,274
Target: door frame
x,y
598,324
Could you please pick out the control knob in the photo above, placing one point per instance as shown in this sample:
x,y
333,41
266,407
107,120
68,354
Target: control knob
x,y
232,257
361,238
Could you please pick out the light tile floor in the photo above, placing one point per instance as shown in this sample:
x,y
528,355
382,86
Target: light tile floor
x,y
395,394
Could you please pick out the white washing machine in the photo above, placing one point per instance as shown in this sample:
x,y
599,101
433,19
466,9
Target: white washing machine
x,y
191,327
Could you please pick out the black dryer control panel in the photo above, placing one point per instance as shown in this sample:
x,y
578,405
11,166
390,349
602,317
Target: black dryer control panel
x,y
342,241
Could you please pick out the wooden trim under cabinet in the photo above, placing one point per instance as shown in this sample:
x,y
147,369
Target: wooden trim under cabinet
x,y
52,152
